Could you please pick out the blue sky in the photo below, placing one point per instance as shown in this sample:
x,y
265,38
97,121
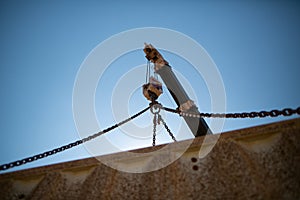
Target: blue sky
x,y
255,45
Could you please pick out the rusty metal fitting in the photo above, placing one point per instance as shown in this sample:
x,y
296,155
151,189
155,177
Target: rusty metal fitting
x,y
154,56
186,106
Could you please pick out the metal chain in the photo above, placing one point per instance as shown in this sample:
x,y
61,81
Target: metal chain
x,y
261,114
166,127
154,129
68,146
155,109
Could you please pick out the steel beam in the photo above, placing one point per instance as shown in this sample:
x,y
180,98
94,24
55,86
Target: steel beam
x,y
198,126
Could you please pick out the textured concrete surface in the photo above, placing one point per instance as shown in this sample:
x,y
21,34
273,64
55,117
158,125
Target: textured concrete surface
x,y
255,163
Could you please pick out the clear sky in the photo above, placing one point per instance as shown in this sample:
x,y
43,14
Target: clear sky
x,y
255,45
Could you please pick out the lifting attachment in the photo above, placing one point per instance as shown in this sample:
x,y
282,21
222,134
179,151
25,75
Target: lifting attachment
x,y
153,89
161,67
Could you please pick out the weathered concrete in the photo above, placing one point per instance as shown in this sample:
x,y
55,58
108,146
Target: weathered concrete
x,y
255,163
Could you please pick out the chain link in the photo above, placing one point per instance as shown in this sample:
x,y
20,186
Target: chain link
x,y
261,114
68,146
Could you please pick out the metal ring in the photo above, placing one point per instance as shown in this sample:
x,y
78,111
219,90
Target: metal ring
x,y
274,113
157,107
287,112
263,114
253,114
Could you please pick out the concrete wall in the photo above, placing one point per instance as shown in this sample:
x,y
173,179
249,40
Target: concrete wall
x,y
254,163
